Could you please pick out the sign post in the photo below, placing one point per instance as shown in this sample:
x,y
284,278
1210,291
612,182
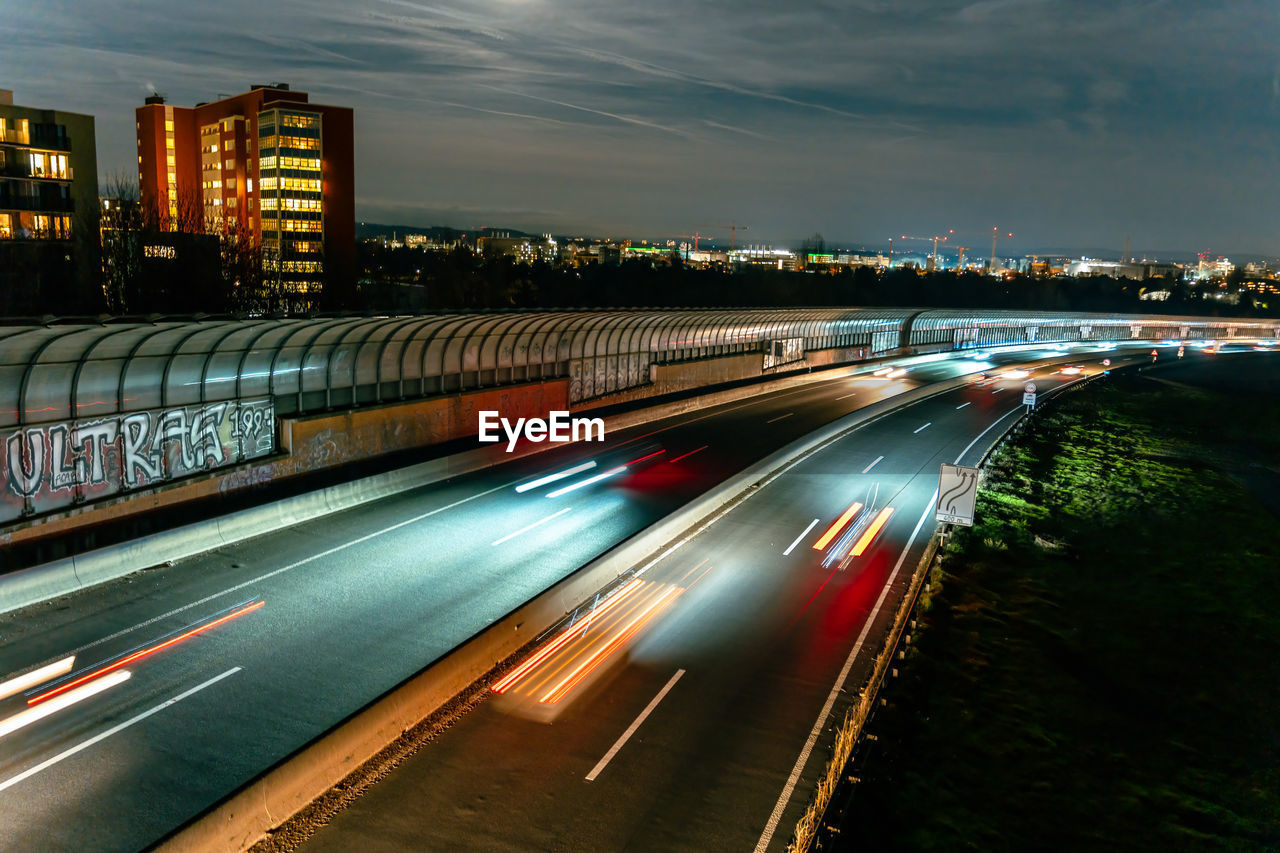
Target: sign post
x,y
957,494
1029,395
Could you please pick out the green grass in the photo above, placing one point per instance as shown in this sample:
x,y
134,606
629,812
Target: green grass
x,y
1100,662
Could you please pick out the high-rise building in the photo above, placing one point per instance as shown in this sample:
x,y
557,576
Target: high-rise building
x,y
48,210
265,167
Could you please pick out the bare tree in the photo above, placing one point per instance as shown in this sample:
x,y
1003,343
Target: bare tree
x,y
121,226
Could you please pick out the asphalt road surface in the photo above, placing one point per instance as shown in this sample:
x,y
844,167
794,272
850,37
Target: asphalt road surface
x,y
223,664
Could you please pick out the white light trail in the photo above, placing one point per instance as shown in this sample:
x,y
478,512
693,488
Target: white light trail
x,y
36,676
578,485
66,700
551,478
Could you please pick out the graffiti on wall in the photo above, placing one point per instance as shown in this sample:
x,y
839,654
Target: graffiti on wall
x,y
52,465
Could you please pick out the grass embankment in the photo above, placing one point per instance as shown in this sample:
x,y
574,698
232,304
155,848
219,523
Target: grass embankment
x,y
1100,664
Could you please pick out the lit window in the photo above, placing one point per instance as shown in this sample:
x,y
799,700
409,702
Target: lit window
x,y
168,125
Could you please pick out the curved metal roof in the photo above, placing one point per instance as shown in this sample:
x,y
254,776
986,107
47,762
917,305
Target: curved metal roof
x,y
64,372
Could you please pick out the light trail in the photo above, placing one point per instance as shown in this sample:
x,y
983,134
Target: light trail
x,y
646,456
612,472
36,676
512,678
138,655
529,527
870,533
825,539
690,453
601,654
559,475
66,700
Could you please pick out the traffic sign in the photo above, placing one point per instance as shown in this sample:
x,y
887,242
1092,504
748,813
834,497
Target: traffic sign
x,y
1029,398
1030,387
957,494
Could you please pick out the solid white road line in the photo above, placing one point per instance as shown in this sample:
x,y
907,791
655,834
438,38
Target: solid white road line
x,y
873,464
779,417
970,445
923,428
961,406
798,538
618,744
36,676
772,825
44,765
529,527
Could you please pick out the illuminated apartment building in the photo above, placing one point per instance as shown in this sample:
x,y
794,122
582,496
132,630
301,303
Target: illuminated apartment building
x,y
265,166
48,208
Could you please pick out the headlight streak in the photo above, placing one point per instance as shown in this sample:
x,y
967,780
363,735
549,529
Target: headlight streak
x,y
612,472
901,371
36,676
1016,373
138,655
512,678
836,526
65,700
551,478
601,654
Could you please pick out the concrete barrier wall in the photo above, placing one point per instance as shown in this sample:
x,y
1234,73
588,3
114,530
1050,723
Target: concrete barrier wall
x,y
250,813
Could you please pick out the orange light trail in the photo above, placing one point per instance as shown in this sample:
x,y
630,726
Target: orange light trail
x,y
871,531
589,665
825,539
125,661
511,678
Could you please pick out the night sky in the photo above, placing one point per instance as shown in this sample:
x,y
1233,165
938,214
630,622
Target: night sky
x,y
1072,124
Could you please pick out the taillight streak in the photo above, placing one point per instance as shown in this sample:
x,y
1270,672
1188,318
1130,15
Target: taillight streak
x,y
138,655
510,679
596,658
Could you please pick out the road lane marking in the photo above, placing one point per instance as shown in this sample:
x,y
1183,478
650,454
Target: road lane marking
x,y
798,538
846,396
45,765
779,417
690,453
268,575
771,825
873,464
961,406
529,527
923,428
996,390
626,736
990,426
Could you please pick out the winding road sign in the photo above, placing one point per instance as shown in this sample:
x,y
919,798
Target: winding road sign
x,y
957,494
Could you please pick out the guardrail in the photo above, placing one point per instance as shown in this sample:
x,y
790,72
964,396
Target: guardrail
x,y
819,824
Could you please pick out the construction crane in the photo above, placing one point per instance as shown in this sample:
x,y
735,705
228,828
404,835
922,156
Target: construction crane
x,y
733,228
995,232
960,250
695,237
936,240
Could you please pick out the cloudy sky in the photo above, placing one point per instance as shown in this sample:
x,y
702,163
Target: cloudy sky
x,y
1071,123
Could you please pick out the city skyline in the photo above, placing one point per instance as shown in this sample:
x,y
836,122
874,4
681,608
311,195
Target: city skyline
x,y
1068,126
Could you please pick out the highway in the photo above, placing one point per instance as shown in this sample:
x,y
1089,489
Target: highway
x,y
223,664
